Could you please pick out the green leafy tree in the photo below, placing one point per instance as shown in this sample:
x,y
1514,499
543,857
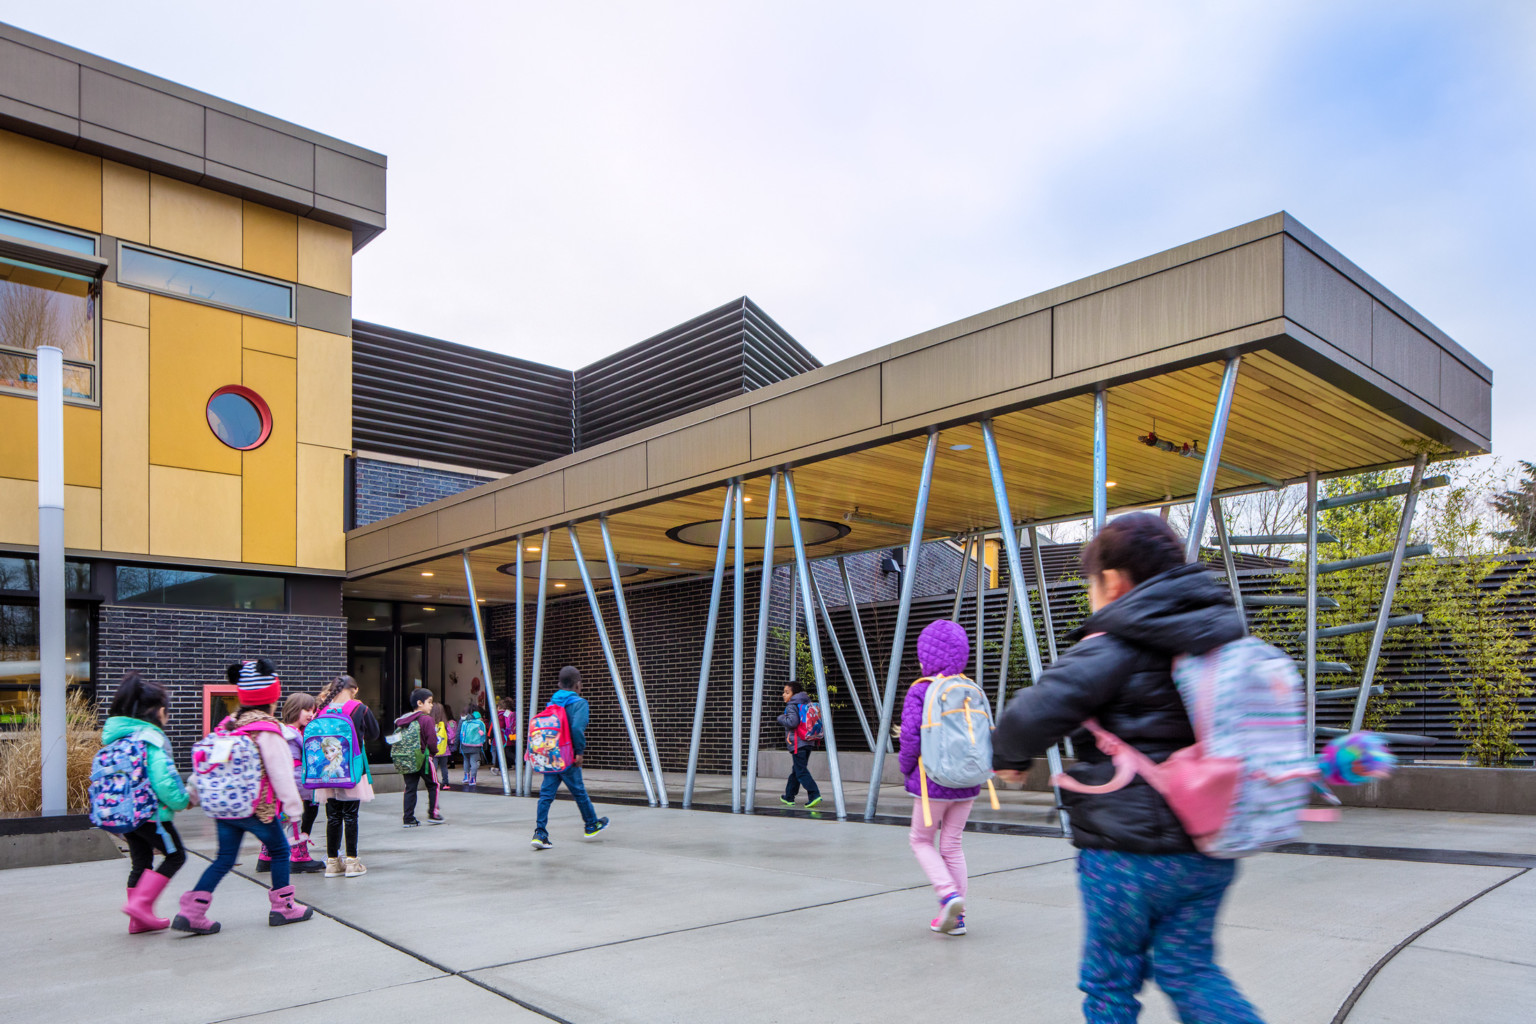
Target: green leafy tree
x,y
1518,506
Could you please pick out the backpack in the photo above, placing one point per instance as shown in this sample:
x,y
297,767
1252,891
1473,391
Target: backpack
x,y
332,756
407,751
1242,787
809,730
956,738
453,736
120,794
232,783
471,733
441,742
549,741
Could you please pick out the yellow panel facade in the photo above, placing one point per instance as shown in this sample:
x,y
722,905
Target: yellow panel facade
x,y
322,542
125,438
269,498
18,438
124,202
193,351
18,511
325,256
271,242
269,336
193,514
192,220
82,446
325,389
82,518
50,182
125,305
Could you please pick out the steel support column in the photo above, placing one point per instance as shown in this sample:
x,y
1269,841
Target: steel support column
x,y
1046,618
842,662
903,614
485,667
634,660
709,644
541,602
1002,669
613,664
1394,569
760,661
965,563
981,611
1100,459
1228,562
858,630
1311,624
737,626
803,567
517,679
1021,594
1209,468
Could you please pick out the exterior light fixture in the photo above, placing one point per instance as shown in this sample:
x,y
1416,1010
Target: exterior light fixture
x,y
959,447
372,619
532,548
560,586
426,608
706,533
747,498
1109,483
429,574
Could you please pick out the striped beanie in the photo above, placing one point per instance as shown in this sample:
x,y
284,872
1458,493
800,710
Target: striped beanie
x,y
257,681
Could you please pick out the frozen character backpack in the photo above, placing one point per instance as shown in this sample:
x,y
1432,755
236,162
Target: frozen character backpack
x,y
231,780
406,750
549,741
957,717
333,758
121,797
471,732
1242,787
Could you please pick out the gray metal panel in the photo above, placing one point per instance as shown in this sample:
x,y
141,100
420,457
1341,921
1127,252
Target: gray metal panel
x,y
136,152
323,310
1465,395
1326,302
349,180
25,119
259,189
39,79
144,113
1404,355
260,151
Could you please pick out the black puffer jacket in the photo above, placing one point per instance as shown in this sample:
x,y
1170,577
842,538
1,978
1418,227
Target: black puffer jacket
x,y
1124,680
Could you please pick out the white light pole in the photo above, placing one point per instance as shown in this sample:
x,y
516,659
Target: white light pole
x,y
50,575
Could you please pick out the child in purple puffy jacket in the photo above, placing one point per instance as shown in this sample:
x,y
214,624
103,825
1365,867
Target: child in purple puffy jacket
x,y
943,649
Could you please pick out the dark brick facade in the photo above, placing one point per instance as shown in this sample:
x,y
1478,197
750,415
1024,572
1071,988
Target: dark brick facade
x,y
384,489
186,649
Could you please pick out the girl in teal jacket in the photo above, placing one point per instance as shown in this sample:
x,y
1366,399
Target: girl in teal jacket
x,y
138,712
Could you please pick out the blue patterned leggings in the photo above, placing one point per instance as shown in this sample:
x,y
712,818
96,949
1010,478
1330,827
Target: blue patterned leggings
x,y
1152,916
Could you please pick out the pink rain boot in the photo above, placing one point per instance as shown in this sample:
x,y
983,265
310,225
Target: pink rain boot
x,y
263,860
140,907
300,861
194,914
284,910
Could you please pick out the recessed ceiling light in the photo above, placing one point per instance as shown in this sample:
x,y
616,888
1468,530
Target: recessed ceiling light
x,y
428,608
747,498
959,447
429,574
531,547
372,619
560,586
481,600
1109,483
674,563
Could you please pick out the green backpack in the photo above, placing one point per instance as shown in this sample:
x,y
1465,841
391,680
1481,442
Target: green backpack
x,y
406,751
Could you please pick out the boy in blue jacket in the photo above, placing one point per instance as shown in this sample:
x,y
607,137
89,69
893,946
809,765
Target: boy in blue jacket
x,y
576,714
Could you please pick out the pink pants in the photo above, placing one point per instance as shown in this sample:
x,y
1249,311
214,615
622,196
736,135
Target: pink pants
x,y
945,866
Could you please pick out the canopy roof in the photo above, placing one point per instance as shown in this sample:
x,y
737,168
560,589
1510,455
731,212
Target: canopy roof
x,y
1338,375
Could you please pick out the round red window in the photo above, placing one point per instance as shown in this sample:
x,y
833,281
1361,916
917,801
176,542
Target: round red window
x,y
239,417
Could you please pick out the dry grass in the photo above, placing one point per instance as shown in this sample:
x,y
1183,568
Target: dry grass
x,y
21,752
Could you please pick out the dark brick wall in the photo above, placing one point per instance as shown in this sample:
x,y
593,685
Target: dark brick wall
x,y
386,489
186,649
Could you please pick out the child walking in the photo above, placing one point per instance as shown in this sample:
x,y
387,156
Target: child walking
x,y
339,700
440,747
298,710
471,745
943,649
138,715
416,765
259,690
1149,899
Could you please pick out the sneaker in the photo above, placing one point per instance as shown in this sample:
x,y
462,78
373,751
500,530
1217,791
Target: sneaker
x,y
333,868
413,823
355,868
813,803
594,828
436,819
950,909
959,928
541,843
786,803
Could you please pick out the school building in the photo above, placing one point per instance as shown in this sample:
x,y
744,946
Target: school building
x,y
252,471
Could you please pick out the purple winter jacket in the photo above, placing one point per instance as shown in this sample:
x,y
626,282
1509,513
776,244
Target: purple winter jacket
x,y
912,746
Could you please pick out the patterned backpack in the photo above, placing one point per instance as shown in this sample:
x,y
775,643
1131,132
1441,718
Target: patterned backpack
x,y
1242,787
549,741
121,796
809,730
231,780
406,751
333,759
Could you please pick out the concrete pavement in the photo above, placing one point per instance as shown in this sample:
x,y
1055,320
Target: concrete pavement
x,y
695,916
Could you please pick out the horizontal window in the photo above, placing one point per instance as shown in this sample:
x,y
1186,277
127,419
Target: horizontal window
x,y
19,572
27,231
20,660
369,614
189,588
139,268
43,307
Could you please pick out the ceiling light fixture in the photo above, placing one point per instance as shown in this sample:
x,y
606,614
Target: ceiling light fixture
x,y
429,574
426,608
559,586
532,548
959,447
1109,483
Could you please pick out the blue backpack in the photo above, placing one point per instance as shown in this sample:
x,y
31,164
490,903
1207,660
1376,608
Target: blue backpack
x,y
121,796
471,732
333,759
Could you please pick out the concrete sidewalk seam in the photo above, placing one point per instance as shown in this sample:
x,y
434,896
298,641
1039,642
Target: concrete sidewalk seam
x,y
320,1002
1370,975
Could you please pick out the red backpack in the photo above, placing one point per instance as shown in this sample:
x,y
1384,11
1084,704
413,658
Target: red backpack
x,y
809,729
549,741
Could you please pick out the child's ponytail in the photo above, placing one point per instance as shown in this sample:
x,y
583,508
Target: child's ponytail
x,y
331,689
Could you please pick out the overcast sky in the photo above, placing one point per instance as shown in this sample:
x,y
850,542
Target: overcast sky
x,y
567,179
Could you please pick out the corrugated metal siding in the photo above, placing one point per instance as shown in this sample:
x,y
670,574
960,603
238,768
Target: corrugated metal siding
x,y
424,398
